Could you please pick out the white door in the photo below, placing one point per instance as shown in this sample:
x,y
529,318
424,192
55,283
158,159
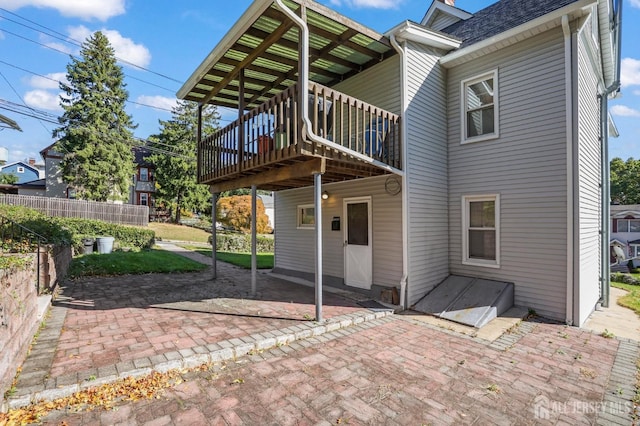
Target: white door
x,y
358,254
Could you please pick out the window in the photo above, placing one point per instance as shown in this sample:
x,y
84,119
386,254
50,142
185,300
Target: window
x,y
144,199
20,169
628,225
306,216
480,108
144,174
481,230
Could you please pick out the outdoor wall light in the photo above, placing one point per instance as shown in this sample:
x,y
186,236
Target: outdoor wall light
x,y
325,195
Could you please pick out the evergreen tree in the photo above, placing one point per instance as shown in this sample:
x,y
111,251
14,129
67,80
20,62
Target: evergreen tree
x,y
96,132
176,167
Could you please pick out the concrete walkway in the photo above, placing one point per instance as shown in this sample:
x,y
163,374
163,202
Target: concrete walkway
x,y
272,365
616,319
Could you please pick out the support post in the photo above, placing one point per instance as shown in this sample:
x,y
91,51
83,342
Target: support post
x,y
214,242
317,180
254,258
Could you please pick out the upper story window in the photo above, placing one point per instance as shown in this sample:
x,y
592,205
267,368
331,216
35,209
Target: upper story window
x,y
628,225
144,174
481,230
480,108
20,169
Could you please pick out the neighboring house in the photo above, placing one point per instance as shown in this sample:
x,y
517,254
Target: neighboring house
x,y
467,144
625,229
143,181
269,209
55,186
25,171
35,187
141,191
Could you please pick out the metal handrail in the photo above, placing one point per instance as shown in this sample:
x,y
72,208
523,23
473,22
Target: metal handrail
x,y
14,235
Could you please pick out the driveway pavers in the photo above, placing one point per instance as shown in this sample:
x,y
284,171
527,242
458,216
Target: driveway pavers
x,y
269,364
394,371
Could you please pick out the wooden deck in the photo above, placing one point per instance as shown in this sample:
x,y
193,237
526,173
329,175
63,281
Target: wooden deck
x,y
269,146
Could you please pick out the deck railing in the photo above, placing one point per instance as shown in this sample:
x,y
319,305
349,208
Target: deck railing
x,y
273,132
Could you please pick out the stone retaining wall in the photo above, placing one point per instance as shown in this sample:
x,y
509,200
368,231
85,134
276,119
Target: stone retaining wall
x,y
19,307
18,320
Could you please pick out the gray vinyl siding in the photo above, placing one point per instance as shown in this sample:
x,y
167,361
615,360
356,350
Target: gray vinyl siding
x,y
295,249
589,176
426,171
378,85
443,21
526,166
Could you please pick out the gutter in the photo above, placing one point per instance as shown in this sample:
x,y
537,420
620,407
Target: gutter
x,y
405,187
569,120
605,185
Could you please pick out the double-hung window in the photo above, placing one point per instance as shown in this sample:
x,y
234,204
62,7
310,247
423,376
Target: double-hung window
x,y
481,230
480,108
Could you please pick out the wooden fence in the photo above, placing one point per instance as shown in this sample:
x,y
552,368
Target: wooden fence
x,y
124,214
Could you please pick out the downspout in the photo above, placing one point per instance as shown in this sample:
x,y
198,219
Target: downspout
x,y
304,62
568,70
605,188
405,191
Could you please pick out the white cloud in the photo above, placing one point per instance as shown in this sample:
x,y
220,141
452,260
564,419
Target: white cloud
x,y
49,81
624,111
41,99
84,9
161,102
125,48
630,72
635,3
61,47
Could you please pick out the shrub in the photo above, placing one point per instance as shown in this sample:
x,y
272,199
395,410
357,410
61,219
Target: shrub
x,y
619,277
71,231
241,243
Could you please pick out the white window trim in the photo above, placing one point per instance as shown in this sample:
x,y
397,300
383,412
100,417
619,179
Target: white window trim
x,y
20,169
299,224
466,199
496,108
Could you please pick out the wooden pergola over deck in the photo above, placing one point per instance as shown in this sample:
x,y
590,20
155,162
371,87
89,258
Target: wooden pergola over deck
x,y
277,66
256,69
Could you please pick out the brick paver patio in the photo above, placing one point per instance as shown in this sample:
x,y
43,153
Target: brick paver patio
x,y
271,365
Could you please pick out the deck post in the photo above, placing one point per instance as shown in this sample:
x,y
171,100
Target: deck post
x,y
254,259
317,200
214,242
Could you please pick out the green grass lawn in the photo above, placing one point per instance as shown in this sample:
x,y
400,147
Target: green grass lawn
x,y
265,260
630,300
171,231
123,263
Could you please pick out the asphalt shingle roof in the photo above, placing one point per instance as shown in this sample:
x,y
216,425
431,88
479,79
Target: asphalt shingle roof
x,y
501,16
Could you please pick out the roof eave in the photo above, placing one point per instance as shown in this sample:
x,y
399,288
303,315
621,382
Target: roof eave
x,y
246,20
408,30
459,56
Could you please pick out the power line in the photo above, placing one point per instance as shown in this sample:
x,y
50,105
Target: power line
x,y
4,30
79,43
25,104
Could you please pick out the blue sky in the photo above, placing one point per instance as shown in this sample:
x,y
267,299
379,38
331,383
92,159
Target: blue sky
x,y
169,39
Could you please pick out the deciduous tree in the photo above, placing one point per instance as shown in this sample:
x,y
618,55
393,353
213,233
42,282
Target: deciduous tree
x,y
235,212
95,135
625,181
